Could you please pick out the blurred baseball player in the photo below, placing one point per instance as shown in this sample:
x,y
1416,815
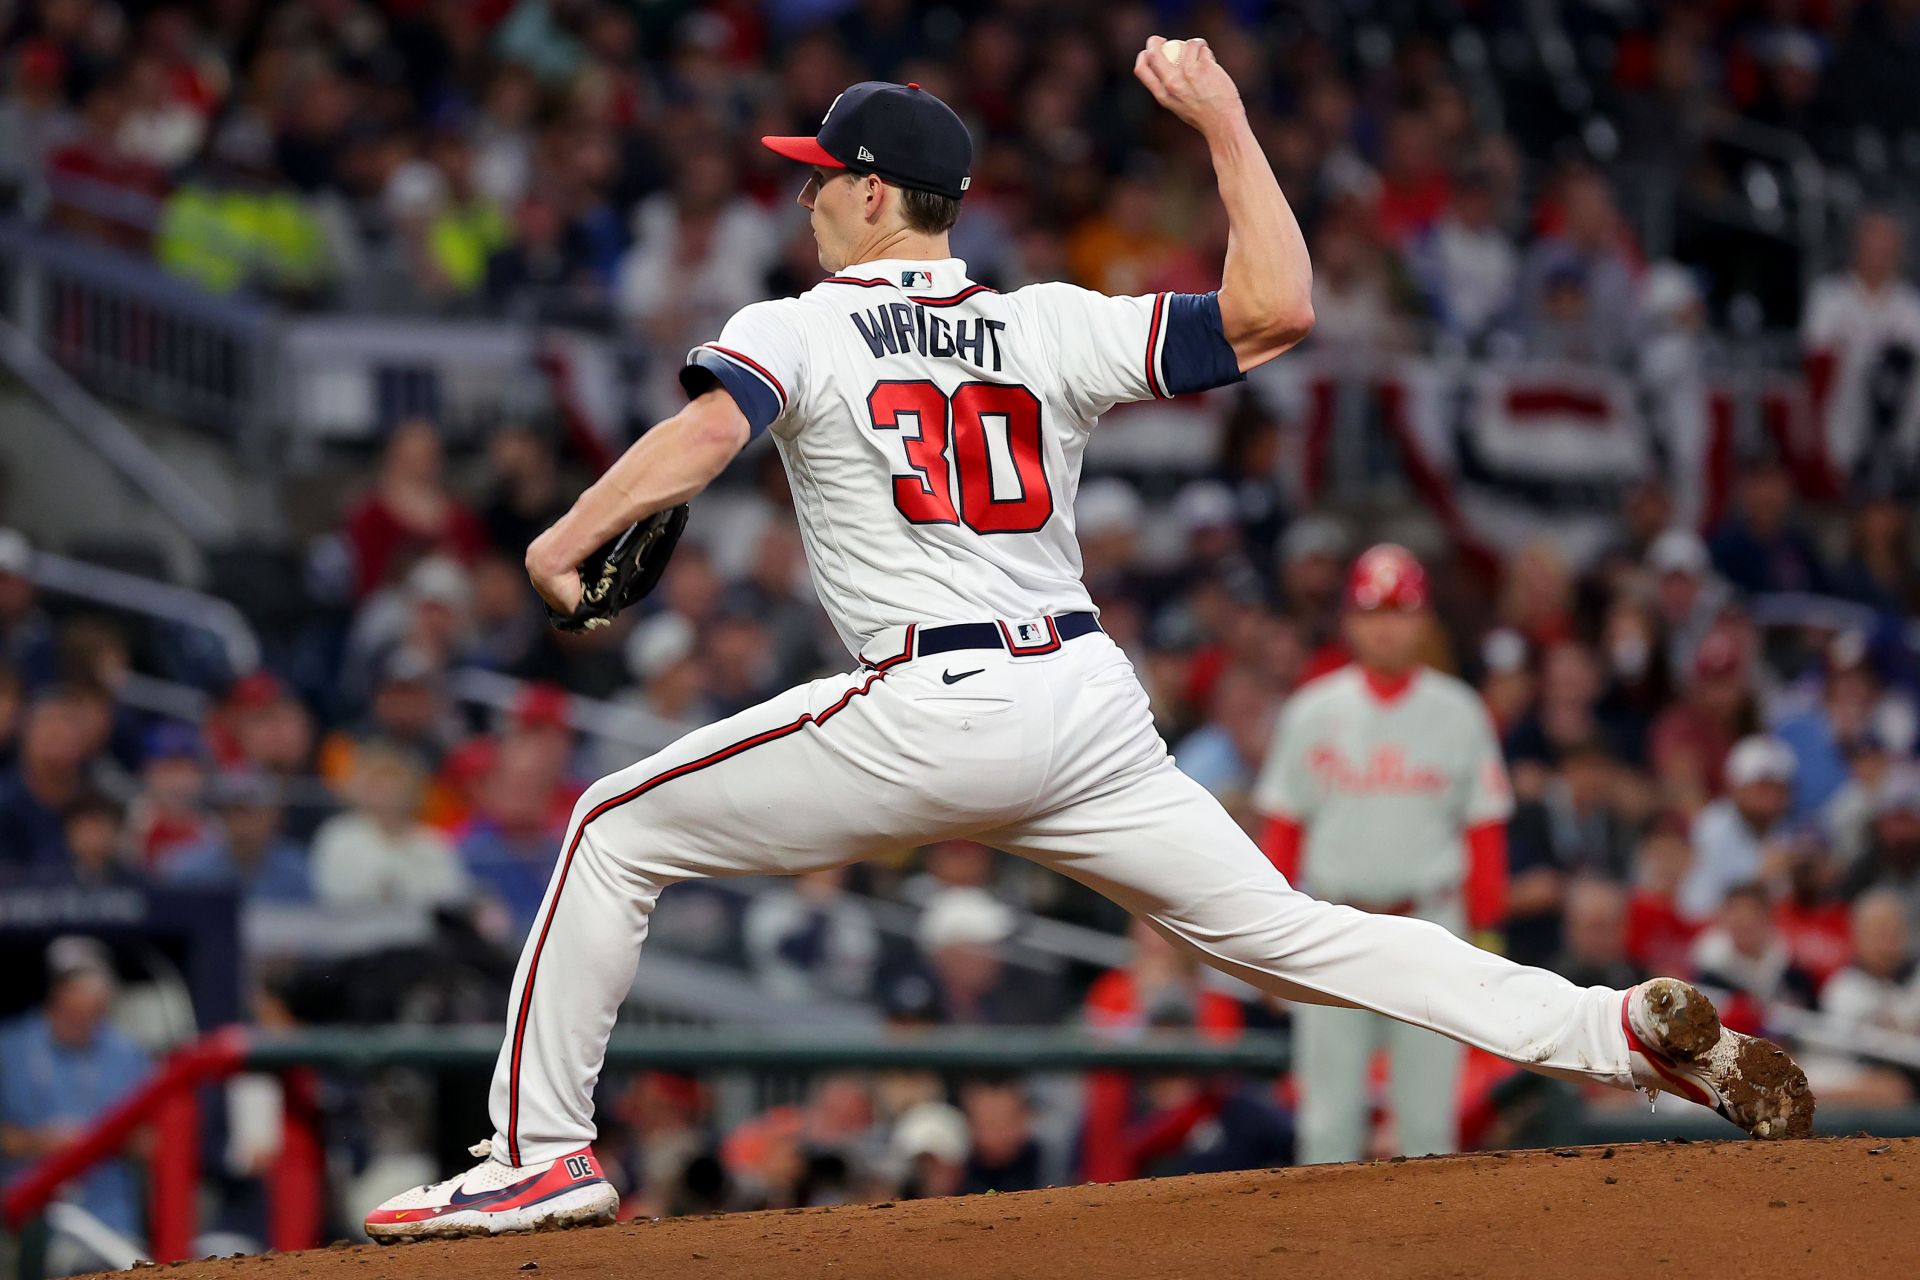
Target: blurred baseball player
x,y
932,431
1384,790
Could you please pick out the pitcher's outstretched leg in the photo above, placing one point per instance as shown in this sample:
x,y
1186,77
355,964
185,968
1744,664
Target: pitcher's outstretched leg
x,y
1165,849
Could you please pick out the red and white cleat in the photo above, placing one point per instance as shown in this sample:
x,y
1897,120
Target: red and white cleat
x,y
492,1199
1677,1045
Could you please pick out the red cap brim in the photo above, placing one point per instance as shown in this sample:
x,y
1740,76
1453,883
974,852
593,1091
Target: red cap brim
x,y
805,150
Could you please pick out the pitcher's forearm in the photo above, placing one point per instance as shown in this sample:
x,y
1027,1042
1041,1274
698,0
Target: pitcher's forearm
x,y
664,467
1266,289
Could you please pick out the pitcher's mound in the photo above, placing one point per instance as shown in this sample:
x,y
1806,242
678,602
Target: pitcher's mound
x,y
1831,1208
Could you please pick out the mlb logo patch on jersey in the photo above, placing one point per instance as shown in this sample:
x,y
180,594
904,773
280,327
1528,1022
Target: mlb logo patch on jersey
x,y
916,279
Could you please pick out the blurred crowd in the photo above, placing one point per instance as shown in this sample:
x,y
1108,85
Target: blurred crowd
x,y
1709,781
1702,786
592,161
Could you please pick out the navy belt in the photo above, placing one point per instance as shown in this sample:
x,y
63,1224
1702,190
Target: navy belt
x,y
1039,635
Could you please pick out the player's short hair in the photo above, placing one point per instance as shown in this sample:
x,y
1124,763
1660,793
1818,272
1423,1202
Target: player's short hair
x,y
928,212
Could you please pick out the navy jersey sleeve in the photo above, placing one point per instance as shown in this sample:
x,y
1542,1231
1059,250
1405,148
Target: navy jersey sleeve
x,y
759,359
1114,350
1195,354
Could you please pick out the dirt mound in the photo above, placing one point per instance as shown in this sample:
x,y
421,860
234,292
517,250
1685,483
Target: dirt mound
x,y
1833,1208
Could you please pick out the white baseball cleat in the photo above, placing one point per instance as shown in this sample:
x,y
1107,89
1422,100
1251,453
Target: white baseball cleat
x,y
493,1199
1677,1045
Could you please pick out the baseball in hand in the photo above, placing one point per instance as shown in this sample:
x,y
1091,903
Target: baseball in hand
x,y
1172,50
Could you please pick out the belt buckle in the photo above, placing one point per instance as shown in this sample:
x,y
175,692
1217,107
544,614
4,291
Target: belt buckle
x,y
1026,637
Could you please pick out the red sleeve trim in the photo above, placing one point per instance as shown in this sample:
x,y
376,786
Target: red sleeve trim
x,y
754,365
1154,384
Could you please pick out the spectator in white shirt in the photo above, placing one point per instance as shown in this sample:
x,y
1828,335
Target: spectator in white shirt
x,y
1352,303
379,853
1589,252
1737,838
812,939
1745,955
1861,334
1687,596
701,252
1466,263
1881,988
1879,991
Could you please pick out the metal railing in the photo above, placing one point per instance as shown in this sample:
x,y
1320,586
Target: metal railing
x,y
168,1101
1041,945
163,602
282,382
1853,1039
630,726
790,1050
126,327
342,376
113,441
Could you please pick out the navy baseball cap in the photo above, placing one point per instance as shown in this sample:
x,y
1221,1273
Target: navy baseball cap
x,y
898,131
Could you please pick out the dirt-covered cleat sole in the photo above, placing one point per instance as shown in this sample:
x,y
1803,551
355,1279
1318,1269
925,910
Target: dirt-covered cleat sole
x,y
494,1199
1677,1045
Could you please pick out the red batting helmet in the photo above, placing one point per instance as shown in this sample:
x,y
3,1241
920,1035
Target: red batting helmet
x,y
1387,577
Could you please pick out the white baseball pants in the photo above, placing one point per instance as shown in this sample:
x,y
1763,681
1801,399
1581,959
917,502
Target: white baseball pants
x,y
1051,757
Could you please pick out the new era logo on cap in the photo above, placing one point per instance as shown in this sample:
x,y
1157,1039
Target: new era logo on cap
x,y
864,156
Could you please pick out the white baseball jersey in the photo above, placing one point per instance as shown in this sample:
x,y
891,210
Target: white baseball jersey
x,y
1874,337
1384,785
932,428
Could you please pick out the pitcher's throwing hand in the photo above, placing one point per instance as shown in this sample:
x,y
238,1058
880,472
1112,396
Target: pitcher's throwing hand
x,y
1194,86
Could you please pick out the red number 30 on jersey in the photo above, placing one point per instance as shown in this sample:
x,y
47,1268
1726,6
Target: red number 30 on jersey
x,y
983,421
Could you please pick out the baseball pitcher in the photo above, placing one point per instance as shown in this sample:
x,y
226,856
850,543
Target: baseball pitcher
x,y
932,431
1384,790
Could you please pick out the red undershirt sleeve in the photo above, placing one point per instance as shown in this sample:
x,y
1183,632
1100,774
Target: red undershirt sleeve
x,y
1281,843
1486,875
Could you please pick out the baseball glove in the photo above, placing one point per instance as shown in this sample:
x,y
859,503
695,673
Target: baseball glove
x,y
623,571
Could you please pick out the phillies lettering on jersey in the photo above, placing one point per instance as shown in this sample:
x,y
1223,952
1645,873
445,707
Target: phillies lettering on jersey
x,y
1384,786
932,428
1386,771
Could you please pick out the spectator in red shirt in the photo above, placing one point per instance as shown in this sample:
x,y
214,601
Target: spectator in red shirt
x,y
1414,186
1814,919
168,816
1159,986
260,725
409,512
1659,938
1689,743
98,188
1121,1001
